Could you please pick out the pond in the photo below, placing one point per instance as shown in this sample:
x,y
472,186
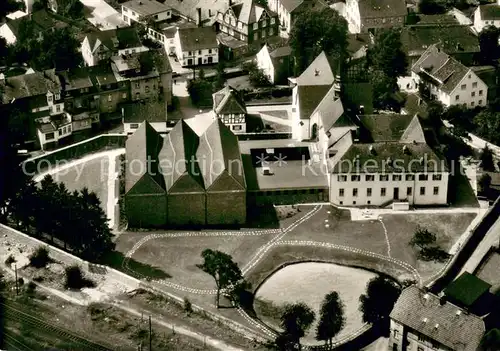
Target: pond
x,y
309,283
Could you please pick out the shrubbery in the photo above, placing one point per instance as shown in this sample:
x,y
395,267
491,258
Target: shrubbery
x,y
40,258
75,279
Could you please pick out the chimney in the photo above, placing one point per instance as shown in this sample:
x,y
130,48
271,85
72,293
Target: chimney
x,y
230,2
426,296
198,16
458,313
436,326
425,320
442,300
405,150
316,72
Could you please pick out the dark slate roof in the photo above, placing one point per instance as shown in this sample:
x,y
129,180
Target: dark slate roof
x,y
197,38
227,100
309,98
435,20
292,5
452,39
466,289
28,85
178,158
75,79
456,328
283,51
442,69
142,149
322,71
249,11
330,109
380,159
120,38
151,111
490,12
386,127
382,8
356,41
415,105
146,7
218,154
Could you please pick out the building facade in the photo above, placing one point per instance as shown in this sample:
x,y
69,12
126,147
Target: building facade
x,y
449,81
143,11
289,10
196,46
365,15
248,22
487,15
276,63
230,108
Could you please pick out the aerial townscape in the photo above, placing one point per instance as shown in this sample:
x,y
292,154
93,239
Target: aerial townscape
x,y
250,175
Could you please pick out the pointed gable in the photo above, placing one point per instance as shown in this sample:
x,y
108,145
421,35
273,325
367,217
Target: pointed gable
x,y
228,101
219,156
178,163
142,150
414,132
330,109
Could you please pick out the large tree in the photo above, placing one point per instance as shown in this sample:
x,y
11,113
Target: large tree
x,y
491,340
378,301
487,162
316,31
222,268
384,88
296,320
387,55
332,318
487,123
488,42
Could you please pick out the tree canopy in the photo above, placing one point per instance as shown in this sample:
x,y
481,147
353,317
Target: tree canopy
x,y
488,42
317,31
332,318
387,55
491,340
379,299
296,320
422,237
222,268
486,158
487,123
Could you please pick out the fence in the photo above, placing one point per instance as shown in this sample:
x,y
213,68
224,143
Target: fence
x,y
100,142
478,233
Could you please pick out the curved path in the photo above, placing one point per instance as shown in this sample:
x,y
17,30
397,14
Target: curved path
x,y
277,240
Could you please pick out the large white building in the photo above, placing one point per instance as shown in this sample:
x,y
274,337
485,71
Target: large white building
x,y
289,10
421,321
143,11
449,81
487,15
391,163
365,15
310,89
196,46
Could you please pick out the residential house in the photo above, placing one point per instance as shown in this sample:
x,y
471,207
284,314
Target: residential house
x,y
145,11
153,112
195,180
358,45
102,45
41,20
421,320
309,90
230,108
455,40
277,63
368,15
391,163
487,15
112,91
288,10
196,46
448,80
148,74
81,98
247,21
39,96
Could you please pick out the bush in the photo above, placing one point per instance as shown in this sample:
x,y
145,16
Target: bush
x,y
20,281
40,258
188,307
30,288
10,260
75,279
434,253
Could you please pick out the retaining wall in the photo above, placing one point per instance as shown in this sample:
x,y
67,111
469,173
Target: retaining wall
x,y
101,142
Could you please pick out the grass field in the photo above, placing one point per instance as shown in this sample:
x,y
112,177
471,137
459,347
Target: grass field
x,y
311,282
92,174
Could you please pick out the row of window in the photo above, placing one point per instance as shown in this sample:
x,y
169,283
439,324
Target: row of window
x,y
235,23
191,53
62,131
383,191
242,37
385,177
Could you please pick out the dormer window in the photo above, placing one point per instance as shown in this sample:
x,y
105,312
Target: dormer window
x,y
58,96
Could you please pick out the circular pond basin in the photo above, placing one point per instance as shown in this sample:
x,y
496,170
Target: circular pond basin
x,y
309,283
